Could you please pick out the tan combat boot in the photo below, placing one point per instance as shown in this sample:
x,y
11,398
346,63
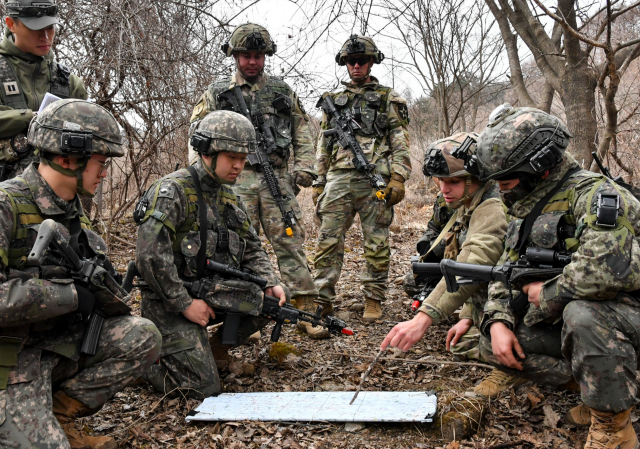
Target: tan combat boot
x,y
611,431
305,303
372,311
66,410
496,382
580,416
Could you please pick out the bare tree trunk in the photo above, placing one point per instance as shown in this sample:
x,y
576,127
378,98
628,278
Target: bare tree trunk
x,y
547,97
579,105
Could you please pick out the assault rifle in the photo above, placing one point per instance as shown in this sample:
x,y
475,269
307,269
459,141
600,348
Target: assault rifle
x,y
52,249
345,127
266,145
537,264
235,309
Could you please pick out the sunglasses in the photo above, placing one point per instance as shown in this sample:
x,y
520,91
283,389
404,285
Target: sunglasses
x,y
360,61
34,11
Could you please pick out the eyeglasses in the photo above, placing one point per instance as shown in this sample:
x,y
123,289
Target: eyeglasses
x,y
104,165
35,11
360,61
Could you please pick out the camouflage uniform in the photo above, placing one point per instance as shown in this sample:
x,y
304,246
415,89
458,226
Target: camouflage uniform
x,y
587,326
440,217
291,131
167,249
348,192
48,340
34,77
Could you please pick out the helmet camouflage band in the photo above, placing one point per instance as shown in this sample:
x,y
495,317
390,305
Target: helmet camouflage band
x,y
223,131
250,37
359,45
520,140
76,128
445,158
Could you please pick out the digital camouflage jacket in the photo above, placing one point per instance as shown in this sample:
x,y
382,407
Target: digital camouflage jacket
x,y
169,237
282,110
31,310
606,259
383,136
477,237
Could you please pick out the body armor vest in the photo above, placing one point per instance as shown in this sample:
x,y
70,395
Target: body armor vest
x,y
369,109
556,227
228,224
274,101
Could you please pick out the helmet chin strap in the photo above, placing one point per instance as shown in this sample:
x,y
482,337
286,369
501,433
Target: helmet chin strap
x,y
465,194
212,170
77,173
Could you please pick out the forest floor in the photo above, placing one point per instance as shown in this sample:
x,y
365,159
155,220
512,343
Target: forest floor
x,y
529,417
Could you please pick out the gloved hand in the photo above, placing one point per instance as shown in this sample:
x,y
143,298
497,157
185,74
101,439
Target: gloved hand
x,y
86,301
303,179
394,192
317,191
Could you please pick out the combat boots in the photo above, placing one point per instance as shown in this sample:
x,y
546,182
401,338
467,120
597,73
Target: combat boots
x,y
579,415
611,431
306,304
496,382
372,311
66,410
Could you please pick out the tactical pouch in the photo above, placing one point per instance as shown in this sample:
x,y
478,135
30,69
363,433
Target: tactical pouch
x,y
236,296
282,104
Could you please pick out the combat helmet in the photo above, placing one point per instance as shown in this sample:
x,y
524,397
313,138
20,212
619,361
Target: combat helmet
x,y
519,141
223,131
445,158
359,45
75,128
250,37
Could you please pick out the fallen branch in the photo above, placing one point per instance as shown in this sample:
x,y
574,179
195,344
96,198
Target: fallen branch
x,y
506,445
123,241
419,362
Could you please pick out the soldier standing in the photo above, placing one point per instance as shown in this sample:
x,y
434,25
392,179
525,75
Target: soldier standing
x,y
42,322
27,72
581,328
341,191
281,109
168,248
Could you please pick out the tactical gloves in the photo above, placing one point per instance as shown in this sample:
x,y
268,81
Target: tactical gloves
x,y
394,192
317,191
86,301
303,179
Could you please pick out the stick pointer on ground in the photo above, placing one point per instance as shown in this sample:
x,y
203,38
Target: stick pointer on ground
x,y
366,374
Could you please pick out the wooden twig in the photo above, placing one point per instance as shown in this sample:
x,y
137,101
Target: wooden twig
x,y
123,241
366,374
419,362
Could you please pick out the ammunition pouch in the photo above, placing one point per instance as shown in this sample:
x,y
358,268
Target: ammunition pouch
x,y
234,295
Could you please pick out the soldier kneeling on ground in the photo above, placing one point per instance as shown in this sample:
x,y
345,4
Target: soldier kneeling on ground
x,y
474,234
42,322
168,254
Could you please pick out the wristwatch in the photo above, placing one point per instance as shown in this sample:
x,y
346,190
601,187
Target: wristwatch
x,y
19,143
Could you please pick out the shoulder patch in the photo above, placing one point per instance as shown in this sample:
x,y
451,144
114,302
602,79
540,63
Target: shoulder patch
x,y
167,191
403,112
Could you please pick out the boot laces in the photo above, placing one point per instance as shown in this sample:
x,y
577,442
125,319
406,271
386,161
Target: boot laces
x,y
601,427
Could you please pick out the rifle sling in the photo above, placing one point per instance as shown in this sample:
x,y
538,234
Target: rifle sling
x,y
527,226
202,212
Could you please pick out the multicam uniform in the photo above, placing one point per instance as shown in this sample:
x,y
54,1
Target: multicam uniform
x,y
439,218
587,325
289,123
167,249
32,76
385,141
40,335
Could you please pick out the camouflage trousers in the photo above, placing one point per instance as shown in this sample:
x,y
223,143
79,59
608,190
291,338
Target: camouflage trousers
x,y
186,364
468,347
263,211
127,346
346,194
597,343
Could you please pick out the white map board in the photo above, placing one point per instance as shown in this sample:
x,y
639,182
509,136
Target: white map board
x,y
333,406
